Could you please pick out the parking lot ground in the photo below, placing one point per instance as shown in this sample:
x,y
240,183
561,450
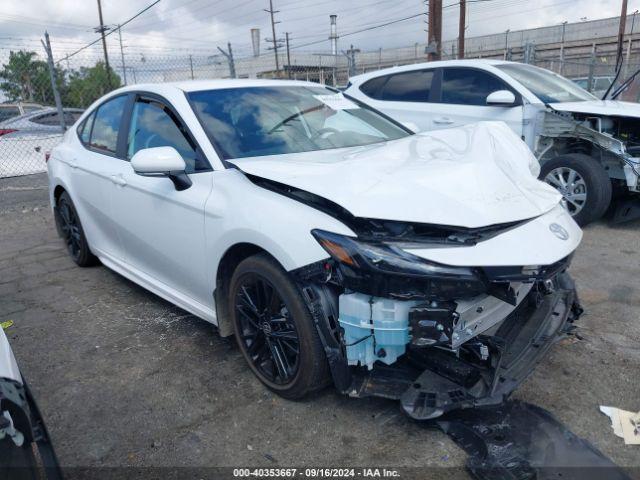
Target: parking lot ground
x,y
124,378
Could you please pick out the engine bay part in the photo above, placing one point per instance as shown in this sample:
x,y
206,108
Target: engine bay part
x,y
439,355
517,440
616,140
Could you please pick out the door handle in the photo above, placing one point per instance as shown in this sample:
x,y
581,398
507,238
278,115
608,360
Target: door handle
x,y
118,180
73,164
443,121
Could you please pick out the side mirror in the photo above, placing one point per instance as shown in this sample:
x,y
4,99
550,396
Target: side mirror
x,y
411,126
162,162
501,98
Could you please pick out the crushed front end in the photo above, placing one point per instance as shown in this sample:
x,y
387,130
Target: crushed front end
x,y
435,337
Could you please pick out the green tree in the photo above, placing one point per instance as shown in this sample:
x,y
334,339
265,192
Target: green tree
x,y
26,78
87,84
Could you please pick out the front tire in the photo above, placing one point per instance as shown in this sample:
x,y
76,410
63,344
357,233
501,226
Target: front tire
x,y
274,329
70,229
583,183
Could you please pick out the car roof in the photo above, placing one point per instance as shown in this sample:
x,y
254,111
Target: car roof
x,y
214,84
480,63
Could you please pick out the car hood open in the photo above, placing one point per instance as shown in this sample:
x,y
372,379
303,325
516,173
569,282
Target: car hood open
x,y
472,176
612,108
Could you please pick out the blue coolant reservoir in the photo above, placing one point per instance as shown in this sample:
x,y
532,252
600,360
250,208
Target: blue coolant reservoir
x,y
374,328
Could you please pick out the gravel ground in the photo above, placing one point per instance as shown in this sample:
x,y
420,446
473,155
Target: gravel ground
x,y
124,378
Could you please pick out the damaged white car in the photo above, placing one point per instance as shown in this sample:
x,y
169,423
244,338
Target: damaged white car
x,y
335,244
589,149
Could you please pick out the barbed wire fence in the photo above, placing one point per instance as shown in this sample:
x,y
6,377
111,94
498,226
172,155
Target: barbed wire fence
x,y
30,81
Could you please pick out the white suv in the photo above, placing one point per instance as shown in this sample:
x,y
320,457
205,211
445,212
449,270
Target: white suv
x,y
587,147
326,237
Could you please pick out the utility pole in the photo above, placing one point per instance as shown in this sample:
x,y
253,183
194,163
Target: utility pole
x,y
461,27
52,74
229,56
333,36
191,65
124,69
271,12
621,31
628,56
351,57
434,48
506,43
102,28
286,36
564,24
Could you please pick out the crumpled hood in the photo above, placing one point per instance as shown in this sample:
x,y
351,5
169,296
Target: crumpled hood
x,y
613,108
472,176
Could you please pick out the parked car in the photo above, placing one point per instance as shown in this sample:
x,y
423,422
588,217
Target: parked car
x,y
24,140
12,110
334,243
587,147
25,446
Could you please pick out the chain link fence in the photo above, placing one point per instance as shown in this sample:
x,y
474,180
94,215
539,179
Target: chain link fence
x,y
31,123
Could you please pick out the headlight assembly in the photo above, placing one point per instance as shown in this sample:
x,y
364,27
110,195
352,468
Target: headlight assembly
x,y
380,268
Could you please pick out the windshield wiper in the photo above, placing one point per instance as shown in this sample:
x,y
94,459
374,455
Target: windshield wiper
x,y
295,115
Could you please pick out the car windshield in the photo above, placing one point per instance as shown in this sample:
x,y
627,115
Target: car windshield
x,y
257,121
549,87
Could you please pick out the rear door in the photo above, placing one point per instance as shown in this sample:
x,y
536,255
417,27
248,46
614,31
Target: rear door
x,y
462,99
162,229
93,168
404,96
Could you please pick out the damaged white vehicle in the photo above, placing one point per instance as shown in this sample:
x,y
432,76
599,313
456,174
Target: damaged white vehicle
x,y
334,243
589,149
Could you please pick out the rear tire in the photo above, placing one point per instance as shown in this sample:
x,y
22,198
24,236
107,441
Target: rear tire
x,y
271,322
584,184
70,229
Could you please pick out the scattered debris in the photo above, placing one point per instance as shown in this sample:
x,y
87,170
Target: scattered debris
x,y
625,424
517,440
270,458
7,324
249,447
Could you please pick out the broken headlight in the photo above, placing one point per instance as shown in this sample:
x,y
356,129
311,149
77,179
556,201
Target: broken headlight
x,y
386,270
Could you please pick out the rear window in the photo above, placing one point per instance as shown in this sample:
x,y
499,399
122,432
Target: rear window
x,y
104,135
408,87
84,130
400,87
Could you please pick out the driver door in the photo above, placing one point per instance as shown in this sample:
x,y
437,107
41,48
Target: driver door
x,y
162,229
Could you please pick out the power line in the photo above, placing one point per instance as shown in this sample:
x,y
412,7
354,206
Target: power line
x,y
111,31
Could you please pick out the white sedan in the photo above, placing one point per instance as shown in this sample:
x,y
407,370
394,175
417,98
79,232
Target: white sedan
x,y
334,243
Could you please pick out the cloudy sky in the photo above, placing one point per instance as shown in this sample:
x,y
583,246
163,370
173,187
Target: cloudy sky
x,y
180,27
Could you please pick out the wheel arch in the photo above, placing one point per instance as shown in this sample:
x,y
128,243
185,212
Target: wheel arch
x,y
227,265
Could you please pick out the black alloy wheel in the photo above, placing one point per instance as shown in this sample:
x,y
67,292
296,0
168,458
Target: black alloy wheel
x,y
267,331
274,329
70,229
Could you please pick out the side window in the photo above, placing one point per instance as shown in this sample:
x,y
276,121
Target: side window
x,y
154,125
47,119
104,135
408,87
7,112
84,130
71,117
371,88
467,86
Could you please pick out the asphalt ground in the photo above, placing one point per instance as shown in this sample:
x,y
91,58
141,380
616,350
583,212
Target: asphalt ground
x,y
125,379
